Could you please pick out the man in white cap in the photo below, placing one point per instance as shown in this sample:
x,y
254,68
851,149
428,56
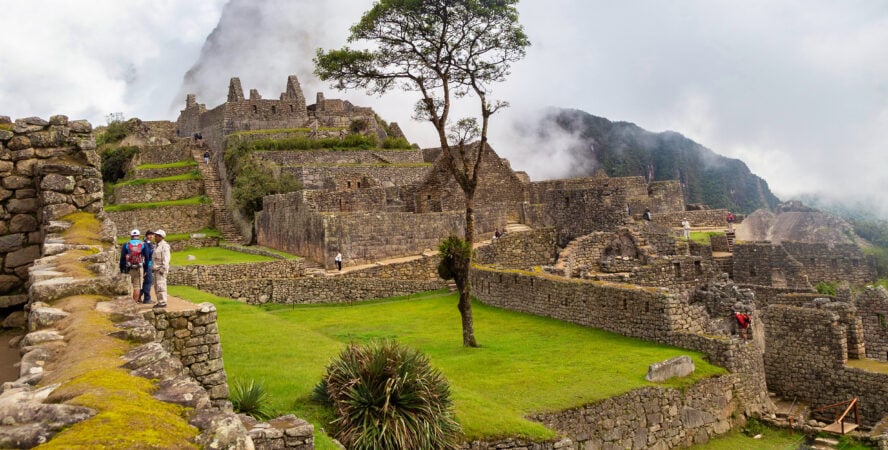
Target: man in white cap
x,y
161,267
686,229
132,257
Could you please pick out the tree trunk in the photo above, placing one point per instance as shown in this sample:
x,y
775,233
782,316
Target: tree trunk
x,y
465,290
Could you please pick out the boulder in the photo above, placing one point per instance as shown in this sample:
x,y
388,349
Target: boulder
x,y
22,257
44,317
18,143
22,223
16,319
58,183
80,126
220,430
9,283
680,366
41,337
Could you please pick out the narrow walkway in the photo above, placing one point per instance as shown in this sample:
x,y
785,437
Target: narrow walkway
x,y
213,188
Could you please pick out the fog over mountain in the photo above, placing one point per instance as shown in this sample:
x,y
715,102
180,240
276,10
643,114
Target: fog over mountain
x,y
797,90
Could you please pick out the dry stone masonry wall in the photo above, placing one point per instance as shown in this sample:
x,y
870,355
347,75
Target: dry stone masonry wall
x,y
157,191
519,250
178,219
49,169
872,307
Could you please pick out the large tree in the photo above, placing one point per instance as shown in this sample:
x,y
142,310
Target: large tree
x,y
447,51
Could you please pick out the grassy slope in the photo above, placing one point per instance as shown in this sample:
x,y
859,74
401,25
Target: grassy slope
x,y
197,200
527,364
214,255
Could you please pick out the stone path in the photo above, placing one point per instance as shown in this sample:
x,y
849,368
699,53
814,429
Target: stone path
x,y
213,188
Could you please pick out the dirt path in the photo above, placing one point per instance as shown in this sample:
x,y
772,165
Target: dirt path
x,y
9,357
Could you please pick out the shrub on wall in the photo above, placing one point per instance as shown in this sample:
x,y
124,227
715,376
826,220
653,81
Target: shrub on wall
x,y
115,162
826,288
254,180
385,396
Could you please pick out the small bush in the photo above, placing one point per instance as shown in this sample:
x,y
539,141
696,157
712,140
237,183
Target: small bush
x,y
250,398
826,288
387,396
115,132
396,143
455,253
115,162
255,180
358,126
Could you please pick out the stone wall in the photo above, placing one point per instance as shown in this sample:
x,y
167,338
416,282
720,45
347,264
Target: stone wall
x,y
805,359
578,212
161,172
172,219
652,417
157,191
49,169
332,157
665,196
201,276
179,245
311,290
674,272
519,250
319,177
832,262
192,336
872,307
162,154
534,215
357,200
765,264
423,268
699,218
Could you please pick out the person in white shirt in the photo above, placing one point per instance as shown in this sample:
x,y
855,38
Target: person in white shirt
x,y
686,228
338,260
161,267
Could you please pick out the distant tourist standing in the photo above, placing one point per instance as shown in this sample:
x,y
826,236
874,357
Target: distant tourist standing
x,y
148,278
730,219
686,229
132,257
743,322
161,267
647,215
338,260
207,157
497,234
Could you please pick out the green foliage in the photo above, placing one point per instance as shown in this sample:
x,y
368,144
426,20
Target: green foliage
x,y
115,132
250,398
207,256
396,143
255,180
192,175
349,141
183,163
358,126
876,232
826,288
455,257
115,162
385,395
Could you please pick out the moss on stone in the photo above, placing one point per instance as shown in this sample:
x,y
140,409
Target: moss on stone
x,y
85,229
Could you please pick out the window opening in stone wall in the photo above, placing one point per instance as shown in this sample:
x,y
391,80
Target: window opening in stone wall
x,y
752,271
359,184
698,268
292,108
428,197
676,267
255,109
835,263
274,109
625,305
647,307
855,263
348,184
566,201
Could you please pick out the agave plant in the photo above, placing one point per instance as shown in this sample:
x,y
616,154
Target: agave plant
x,y
250,398
387,396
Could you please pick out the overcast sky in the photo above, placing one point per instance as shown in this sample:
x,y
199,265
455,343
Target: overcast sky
x,y
796,89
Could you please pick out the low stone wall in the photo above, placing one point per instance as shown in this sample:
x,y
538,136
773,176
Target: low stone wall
x,y
178,246
162,154
162,172
651,417
805,359
252,250
192,336
422,268
202,276
172,219
832,262
675,272
872,307
316,177
311,290
701,218
519,250
157,192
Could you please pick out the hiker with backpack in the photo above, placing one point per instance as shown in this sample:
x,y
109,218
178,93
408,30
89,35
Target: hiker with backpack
x,y
148,278
132,258
743,322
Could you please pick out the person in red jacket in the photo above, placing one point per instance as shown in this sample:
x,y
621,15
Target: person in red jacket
x,y
743,322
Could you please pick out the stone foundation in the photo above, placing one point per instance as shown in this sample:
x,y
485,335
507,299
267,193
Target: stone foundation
x,y
157,192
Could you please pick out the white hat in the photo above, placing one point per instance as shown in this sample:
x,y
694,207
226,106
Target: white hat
x,y
161,233
134,233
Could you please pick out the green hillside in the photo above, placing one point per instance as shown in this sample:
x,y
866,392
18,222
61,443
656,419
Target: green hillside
x,y
624,149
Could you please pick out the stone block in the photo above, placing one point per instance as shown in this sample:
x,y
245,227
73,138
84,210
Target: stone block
x,y
679,366
22,206
25,167
9,283
80,126
6,167
33,120
23,154
5,135
22,257
58,119
11,242
53,197
90,185
58,183
26,193
22,223
19,143
5,193
17,182
54,212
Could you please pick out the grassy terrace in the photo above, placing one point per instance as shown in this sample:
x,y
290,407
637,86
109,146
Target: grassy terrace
x,y
183,163
702,237
215,256
526,364
193,175
208,232
417,164
197,200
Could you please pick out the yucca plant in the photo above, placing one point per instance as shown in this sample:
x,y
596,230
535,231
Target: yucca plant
x,y
250,398
388,396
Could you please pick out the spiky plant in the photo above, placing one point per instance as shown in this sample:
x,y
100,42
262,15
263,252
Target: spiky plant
x,y
250,398
386,396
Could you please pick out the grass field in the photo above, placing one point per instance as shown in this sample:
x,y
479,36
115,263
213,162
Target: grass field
x,y
197,200
702,237
214,256
170,237
183,163
769,440
526,364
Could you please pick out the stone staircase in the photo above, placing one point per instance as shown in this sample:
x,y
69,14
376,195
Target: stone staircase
x,y
731,239
213,188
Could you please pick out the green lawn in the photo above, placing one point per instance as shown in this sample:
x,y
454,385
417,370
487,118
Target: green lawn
x,y
770,440
196,200
170,237
702,237
526,363
192,175
213,256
